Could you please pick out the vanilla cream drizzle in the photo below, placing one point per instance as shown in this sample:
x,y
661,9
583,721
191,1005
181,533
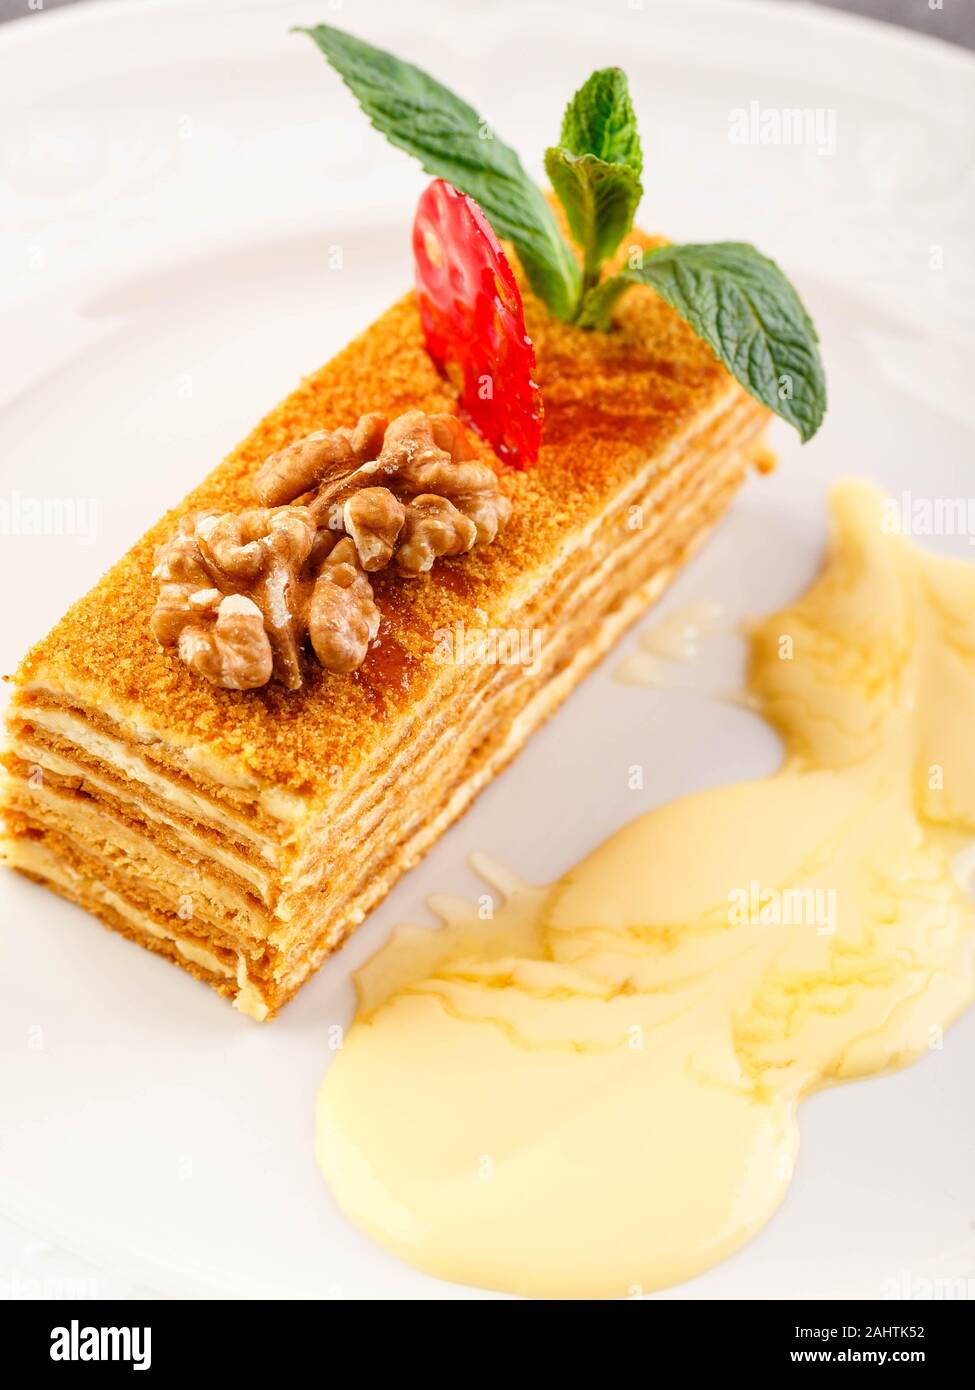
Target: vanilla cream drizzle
x,y
674,639
594,1092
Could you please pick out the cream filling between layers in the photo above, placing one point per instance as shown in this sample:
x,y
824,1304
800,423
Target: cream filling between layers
x,y
120,759
280,804
57,799
33,858
110,844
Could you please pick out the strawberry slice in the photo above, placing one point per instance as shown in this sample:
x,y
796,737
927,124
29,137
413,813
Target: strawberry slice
x,y
474,322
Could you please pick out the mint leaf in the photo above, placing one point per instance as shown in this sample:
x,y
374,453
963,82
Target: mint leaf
x,y
595,171
599,200
426,119
747,312
600,120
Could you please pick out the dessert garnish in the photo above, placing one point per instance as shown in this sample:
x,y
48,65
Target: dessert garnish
x,y
732,296
474,321
243,593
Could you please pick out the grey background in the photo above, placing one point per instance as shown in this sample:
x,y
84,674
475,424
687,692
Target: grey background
x,y
953,21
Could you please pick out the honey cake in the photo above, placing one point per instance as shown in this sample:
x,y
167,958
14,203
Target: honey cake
x,y
244,834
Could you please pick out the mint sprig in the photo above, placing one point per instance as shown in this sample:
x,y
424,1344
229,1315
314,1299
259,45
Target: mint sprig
x,y
595,169
747,312
733,297
418,114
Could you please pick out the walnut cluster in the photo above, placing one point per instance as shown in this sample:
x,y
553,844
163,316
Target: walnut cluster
x,y
241,593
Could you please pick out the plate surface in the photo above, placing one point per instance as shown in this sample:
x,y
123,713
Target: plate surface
x,y
194,214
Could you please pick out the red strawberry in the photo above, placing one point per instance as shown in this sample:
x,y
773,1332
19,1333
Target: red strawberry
x,y
474,322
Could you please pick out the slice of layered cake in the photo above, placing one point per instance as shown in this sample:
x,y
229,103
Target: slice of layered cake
x,y
245,832
289,688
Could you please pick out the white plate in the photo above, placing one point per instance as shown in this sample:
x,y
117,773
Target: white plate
x,y
174,176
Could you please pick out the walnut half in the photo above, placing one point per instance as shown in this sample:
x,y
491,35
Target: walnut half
x,y
342,616
323,459
243,594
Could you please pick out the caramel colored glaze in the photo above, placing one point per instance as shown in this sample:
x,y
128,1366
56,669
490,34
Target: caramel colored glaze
x,y
652,378
453,577
388,669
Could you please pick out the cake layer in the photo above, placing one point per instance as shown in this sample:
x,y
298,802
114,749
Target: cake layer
x,y
51,719
477,751
244,834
